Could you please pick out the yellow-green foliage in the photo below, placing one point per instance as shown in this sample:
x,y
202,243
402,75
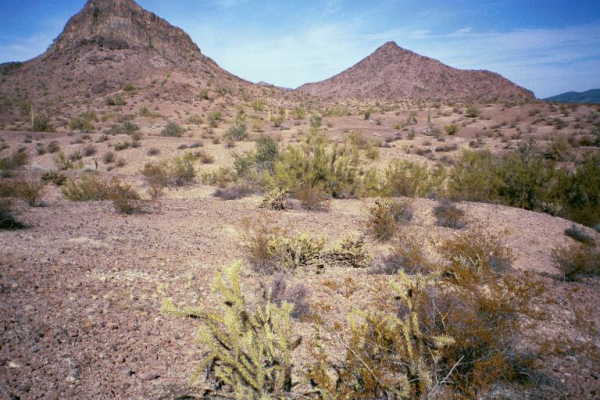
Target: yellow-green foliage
x,y
249,348
474,255
176,172
349,252
388,355
332,168
406,178
276,199
294,252
384,217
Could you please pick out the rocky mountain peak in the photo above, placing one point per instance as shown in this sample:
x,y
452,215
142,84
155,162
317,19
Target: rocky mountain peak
x,y
123,24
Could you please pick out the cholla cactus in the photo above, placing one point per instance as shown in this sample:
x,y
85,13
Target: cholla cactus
x,y
349,252
249,352
277,199
296,251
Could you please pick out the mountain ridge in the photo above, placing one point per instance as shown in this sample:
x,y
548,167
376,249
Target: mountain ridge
x,y
591,96
392,72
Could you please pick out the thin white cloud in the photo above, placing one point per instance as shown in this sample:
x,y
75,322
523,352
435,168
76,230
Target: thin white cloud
x,y
228,3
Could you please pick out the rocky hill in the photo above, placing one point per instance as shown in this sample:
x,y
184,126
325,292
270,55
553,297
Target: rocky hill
x,y
107,45
393,73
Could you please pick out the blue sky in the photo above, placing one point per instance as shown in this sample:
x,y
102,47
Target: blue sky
x,y
548,46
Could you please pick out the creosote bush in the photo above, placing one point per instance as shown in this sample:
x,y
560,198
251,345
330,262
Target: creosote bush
x,y
172,173
94,188
172,130
448,215
384,217
7,220
577,260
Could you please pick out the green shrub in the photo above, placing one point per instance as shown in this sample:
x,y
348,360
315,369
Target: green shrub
x,y
472,112
221,177
333,169
41,123
276,199
384,217
577,260
63,163
315,121
451,129
87,188
409,179
7,220
237,132
81,124
269,249
116,100
249,348
14,161
30,190
172,130
350,252
578,234
388,355
214,118
54,177
474,255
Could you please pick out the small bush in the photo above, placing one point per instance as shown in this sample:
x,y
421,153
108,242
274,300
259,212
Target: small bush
x,y
172,130
7,220
472,112
62,163
214,118
108,157
237,132
30,190
53,147
312,198
87,188
276,199
153,151
54,177
449,216
271,250
350,252
14,161
233,192
384,217
578,234
41,123
577,260
279,293
473,255
407,255
89,150
451,129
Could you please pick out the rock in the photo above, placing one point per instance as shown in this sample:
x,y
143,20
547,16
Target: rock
x,y
149,376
